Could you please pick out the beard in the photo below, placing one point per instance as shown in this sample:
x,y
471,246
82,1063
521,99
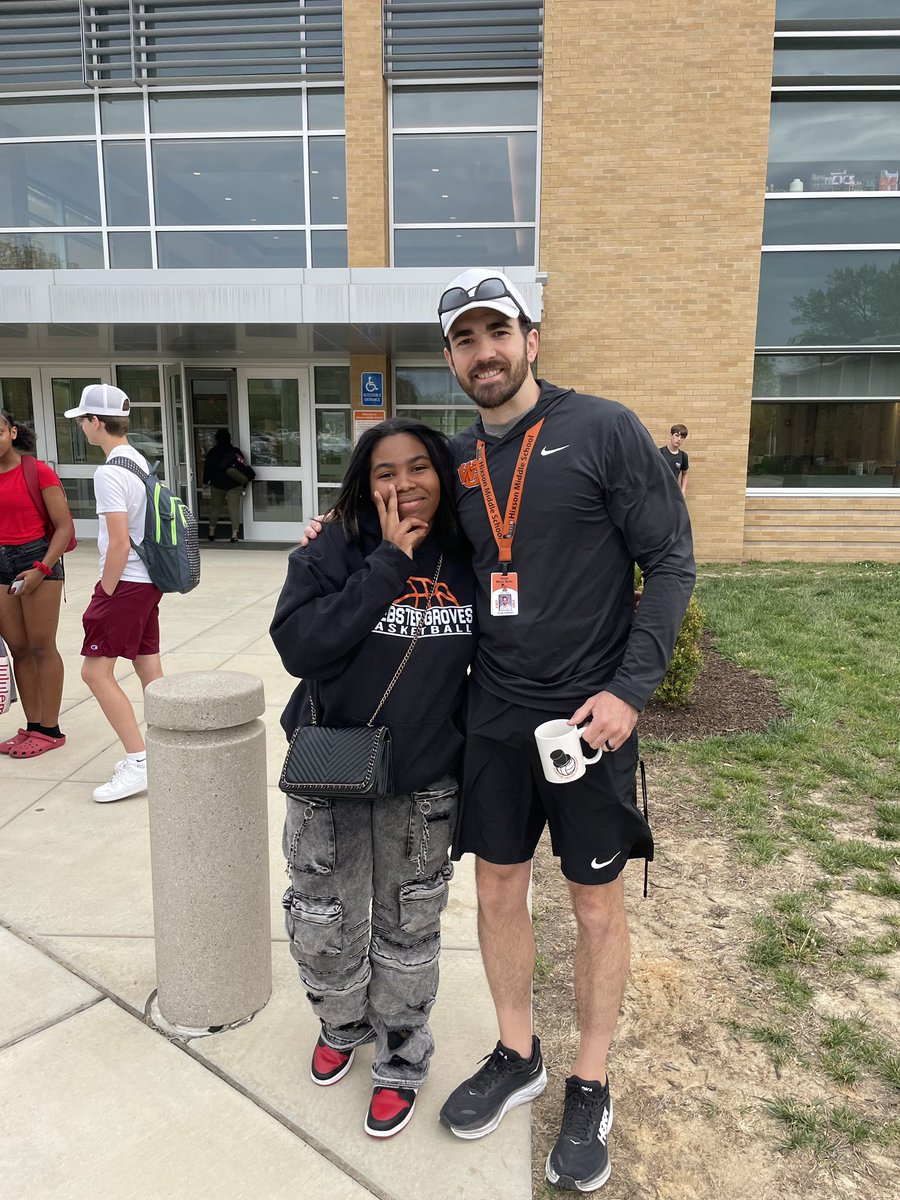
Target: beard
x,y
494,393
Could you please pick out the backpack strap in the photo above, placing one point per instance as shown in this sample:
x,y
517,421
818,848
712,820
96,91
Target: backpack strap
x,y
130,465
30,472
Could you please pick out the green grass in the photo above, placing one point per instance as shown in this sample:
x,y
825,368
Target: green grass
x,y
821,787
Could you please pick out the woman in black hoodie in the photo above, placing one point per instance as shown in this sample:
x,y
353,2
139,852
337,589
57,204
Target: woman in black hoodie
x,y
389,557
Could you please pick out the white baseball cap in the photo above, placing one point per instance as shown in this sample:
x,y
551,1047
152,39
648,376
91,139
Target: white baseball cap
x,y
480,287
101,400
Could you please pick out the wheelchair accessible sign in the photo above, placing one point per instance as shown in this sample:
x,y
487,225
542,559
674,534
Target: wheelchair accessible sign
x,y
372,389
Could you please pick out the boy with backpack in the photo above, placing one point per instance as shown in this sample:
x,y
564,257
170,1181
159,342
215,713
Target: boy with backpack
x,y
122,619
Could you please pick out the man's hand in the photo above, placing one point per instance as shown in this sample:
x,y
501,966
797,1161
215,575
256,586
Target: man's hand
x,y
405,533
610,721
312,530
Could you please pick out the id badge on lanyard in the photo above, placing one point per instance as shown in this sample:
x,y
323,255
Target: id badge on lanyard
x,y
505,581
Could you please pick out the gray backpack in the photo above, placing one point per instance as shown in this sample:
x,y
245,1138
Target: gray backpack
x,y
171,547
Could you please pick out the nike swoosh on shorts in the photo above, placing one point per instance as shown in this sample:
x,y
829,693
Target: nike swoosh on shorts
x,y
597,866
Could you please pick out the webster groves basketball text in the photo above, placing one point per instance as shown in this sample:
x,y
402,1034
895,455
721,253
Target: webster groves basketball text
x,y
402,621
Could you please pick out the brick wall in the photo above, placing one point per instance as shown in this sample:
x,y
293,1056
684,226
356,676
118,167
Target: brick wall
x,y
366,106
654,154
848,528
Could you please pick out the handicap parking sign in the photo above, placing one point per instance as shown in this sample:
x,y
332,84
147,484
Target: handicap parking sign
x,y
372,388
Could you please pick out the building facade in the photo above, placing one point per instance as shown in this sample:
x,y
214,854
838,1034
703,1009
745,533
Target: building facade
x,y
244,214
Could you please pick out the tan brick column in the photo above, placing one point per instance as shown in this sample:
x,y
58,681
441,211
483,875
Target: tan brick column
x,y
655,138
366,107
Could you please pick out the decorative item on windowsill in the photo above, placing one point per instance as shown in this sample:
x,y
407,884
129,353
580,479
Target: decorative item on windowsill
x,y
888,181
796,185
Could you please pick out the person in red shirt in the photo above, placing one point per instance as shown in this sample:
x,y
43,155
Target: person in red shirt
x,y
31,583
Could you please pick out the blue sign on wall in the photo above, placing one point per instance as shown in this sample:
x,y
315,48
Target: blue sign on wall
x,y
372,387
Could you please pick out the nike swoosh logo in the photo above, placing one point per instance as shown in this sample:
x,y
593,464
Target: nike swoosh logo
x,y
597,866
555,450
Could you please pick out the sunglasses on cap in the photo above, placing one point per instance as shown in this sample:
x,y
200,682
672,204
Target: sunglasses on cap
x,y
488,289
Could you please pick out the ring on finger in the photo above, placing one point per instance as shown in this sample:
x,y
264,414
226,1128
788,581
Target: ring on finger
x,y
606,745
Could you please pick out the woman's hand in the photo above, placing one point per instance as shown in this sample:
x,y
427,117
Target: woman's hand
x,y
33,579
405,533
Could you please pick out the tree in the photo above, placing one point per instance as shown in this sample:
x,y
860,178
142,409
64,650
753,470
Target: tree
x,y
857,304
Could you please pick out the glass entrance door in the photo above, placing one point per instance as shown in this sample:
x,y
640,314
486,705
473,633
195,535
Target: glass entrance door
x,y
67,446
276,431
179,459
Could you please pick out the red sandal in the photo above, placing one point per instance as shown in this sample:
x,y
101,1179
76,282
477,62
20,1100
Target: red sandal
x,y
6,746
36,743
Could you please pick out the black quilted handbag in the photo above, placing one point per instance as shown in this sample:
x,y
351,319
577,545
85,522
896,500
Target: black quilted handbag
x,y
333,761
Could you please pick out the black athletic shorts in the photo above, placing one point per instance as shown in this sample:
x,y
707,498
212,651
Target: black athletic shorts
x,y
505,801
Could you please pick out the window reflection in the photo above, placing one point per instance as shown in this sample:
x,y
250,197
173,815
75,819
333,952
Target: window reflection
x,y
130,251
274,409
464,177
836,60
327,181
813,375
49,183
834,145
819,10
432,395
71,445
125,171
797,223
325,107
230,181
824,445
224,112
278,500
838,297
222,248
50,251
493,107
463,247
37,117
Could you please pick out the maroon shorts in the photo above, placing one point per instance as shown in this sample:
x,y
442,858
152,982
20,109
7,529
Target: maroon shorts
x,y
123,625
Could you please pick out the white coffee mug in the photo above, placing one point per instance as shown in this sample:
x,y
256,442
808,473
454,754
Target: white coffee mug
x,y
562,757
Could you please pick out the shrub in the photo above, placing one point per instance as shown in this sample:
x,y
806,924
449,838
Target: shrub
x,y
677,686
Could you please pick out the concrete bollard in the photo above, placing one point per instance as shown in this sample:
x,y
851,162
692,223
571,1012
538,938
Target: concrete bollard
x,y
206,758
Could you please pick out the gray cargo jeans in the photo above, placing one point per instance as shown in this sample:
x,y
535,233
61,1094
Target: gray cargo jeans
x,y
371,979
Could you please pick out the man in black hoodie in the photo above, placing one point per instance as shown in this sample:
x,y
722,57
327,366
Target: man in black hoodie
x,y
560,494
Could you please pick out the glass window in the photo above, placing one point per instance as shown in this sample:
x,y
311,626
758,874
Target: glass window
x,y
16,398
225,112
834,144
80,495
275,435
332,386
432,395
125,172
49,183
325,108
493,107
71,445
67,116
860,58
463,247
824,445
50,251
827,375
327,181
121,114
141,384
333,443
813,10
229,182
130,250
226,248
329,247
836,297
820,222
464,177
278,500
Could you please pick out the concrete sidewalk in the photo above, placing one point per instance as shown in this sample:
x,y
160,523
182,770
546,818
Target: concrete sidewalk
x,y
94,1102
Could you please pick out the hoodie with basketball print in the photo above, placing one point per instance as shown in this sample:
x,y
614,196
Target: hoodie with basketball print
x,y
344,620
597,497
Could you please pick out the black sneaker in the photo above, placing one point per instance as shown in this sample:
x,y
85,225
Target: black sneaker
x,y
506,1080
580,1158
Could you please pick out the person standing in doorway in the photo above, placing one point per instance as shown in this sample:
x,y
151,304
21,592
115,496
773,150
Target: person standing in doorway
x,y
226,472
675,455
122,619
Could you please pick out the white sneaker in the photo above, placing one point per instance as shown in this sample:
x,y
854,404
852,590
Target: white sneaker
x,y
128,779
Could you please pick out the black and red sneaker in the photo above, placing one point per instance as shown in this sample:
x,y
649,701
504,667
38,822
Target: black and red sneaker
x,y
390,1110
329,1065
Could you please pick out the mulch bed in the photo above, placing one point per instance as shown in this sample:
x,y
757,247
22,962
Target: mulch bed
x,y
727,699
